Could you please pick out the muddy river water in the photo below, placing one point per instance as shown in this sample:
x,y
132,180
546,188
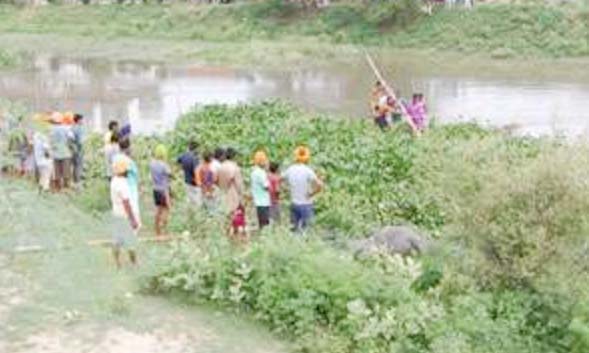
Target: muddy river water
x,y
152,95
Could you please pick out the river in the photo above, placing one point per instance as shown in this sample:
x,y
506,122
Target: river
x,y
152,95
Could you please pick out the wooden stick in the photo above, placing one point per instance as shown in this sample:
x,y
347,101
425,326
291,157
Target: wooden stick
x,y
389,90
92,243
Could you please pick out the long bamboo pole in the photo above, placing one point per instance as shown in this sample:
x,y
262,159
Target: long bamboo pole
x,y
389,90
92,243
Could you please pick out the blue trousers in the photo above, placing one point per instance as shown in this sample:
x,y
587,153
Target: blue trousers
x,y
301,216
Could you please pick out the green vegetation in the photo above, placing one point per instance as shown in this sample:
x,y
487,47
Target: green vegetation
x,y
9,59
496,30
73,299
509,216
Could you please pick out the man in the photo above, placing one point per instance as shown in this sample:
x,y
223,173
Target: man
x,y
218,159
111,150
161,176
113,129
189,162
78,148
60,138
125,222
260,187
230,183
43,161
303,184
132,174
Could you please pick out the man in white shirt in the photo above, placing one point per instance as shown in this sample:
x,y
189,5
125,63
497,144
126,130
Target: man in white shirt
x,y
43,161
125,222
303,184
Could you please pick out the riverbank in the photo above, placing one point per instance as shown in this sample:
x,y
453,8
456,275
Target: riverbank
x,y
72,300
269,32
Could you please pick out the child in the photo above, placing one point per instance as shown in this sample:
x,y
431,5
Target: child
x,y
160,176
206,180
274,178
238,224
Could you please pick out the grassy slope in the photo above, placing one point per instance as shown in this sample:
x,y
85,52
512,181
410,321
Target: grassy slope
x,y
84,280
497,30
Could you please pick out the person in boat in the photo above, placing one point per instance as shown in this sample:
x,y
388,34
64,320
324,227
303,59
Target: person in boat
x,y
378,91
417,111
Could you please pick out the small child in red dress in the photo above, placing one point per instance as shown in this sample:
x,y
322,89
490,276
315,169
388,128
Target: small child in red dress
x,y
238,224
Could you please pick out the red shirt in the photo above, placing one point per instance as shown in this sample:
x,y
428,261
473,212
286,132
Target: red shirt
x,y
238,219
274,188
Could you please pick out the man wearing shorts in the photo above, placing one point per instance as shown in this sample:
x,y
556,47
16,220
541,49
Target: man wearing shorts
x,y
125,223
160,176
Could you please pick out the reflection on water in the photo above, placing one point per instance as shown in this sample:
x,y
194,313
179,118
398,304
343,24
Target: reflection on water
x,y
152,95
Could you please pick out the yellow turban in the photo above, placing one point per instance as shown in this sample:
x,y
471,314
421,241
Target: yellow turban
x,y
160,152
302,154
68,118
120,164
260,158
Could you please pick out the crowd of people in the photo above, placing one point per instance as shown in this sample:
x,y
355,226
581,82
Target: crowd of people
x,y
387,110
52,152
213,180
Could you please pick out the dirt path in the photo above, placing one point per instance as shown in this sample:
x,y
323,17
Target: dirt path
x,y
75,301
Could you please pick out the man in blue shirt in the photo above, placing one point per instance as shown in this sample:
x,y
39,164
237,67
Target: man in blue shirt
x,y
189,162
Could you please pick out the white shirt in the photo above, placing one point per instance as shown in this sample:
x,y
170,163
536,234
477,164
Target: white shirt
x,y
119,192
215,166
300,179
41,150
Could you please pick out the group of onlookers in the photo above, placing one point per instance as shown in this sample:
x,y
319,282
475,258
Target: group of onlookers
x,y
216,184
53,152
213,182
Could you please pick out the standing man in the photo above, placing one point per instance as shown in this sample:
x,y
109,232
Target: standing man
x,y
78,148
189,162
230,183
43,161
161,175
113,129
125,222
132,175
60,138
303,184
260,185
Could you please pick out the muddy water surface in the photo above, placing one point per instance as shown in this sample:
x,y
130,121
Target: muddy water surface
x,y
152,95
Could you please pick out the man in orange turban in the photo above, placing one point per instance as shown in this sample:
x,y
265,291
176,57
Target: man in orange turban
x,y
303,184
260,186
